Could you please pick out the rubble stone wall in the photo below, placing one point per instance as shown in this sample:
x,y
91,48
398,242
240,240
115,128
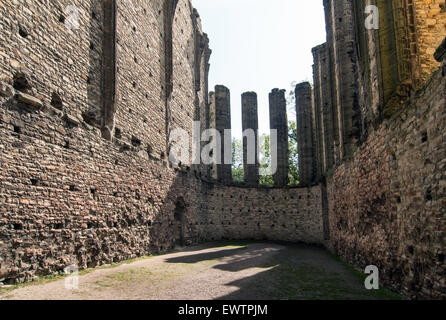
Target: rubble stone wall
x,y
387,203
292,214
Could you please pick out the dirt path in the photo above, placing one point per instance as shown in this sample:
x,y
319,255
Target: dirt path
x,y
215,271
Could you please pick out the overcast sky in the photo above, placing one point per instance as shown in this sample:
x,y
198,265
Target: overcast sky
x,y
258,45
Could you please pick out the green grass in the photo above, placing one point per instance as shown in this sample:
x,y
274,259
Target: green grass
x,y
130,275
119,277
62,275
382,293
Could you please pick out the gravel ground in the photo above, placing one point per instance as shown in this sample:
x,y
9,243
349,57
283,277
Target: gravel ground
x,y
214,271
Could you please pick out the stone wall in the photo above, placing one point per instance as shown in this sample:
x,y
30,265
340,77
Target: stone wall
x,y
140,118
387,204
70,197
430,21
385,196
61,65
292,214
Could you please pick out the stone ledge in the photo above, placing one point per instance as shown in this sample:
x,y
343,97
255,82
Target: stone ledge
x,y
28,100
71,119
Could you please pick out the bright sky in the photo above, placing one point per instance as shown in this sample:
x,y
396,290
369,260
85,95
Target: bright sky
x,y
259,45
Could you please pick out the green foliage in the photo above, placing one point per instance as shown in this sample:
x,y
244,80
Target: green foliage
x,y
237,161
294,156
266,178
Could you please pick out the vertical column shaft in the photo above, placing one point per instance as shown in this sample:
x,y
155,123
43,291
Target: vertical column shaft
x,y
323,101
306,142
212,125
222,124
342,45
279,122
250,122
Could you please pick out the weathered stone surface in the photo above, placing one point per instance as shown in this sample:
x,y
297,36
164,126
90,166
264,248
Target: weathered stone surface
x,y
250,122
72,119
6,90
222,123
97,187
279,122
29,100
308,157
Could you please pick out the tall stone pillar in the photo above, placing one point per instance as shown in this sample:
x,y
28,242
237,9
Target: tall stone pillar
x,y
306,142
279,122
212,125
223,124
324,105
341,39
250,121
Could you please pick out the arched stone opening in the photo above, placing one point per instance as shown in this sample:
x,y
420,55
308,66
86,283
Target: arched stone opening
x,y
180,221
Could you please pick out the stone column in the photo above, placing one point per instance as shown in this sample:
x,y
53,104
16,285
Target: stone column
x,y
306,141
279,122
324,105
222,124
341,39
250,122
212,125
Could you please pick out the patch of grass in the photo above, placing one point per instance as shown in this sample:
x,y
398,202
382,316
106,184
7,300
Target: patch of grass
x,y
37,281
381,293
102,284
61,275
130,275
309,282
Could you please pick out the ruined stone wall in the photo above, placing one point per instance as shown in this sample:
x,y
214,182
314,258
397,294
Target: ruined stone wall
x,y
182,103
70,197
67,195
63,65
430,23
385,197
387,204
140,118
292,214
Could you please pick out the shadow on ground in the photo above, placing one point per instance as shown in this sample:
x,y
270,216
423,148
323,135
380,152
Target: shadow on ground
x,y
288,272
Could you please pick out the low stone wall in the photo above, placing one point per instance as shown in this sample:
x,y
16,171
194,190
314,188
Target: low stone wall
x,y
293,214
387,204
